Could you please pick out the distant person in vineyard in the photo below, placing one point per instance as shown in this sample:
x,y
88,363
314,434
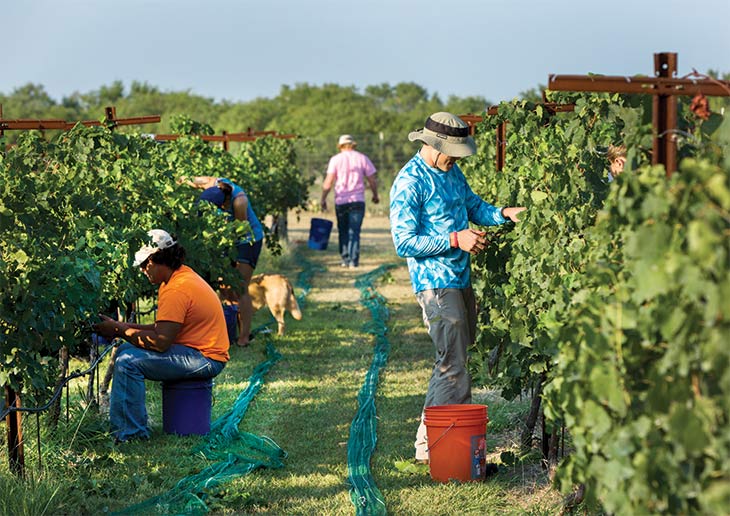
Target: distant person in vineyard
x,y
233,200
616,155
431,206
188,340
347,171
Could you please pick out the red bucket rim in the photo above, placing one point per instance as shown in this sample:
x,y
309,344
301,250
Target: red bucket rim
x,y
455,410
460,423
463,406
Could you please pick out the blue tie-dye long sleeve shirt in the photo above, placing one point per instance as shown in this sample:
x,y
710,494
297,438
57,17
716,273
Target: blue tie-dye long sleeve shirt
x,y
426,205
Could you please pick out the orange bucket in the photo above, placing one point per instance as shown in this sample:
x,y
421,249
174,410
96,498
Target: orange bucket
x,y
457,441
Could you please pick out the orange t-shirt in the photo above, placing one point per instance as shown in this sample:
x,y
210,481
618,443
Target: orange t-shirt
x,y
187,299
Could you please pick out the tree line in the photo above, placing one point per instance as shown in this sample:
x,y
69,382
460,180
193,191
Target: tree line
x,y
379,117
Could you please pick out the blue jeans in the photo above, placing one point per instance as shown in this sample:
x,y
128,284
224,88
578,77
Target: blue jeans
x,y
349,222
132,365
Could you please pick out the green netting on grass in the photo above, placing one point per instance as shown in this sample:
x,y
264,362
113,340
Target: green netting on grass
x,y
225,429
365,495
237,454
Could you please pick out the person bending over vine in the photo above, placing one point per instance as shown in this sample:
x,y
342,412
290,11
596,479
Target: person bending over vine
x,y
232,199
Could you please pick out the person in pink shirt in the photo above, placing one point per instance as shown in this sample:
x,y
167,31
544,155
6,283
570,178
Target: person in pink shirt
x,y
347,171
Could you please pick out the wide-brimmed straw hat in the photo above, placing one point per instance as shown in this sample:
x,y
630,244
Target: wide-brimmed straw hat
x,y
446,133
160,239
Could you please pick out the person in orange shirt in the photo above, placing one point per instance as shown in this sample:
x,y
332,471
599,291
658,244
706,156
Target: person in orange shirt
x,y
188,340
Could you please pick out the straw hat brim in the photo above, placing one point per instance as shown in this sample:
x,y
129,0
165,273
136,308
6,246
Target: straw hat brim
x,y
454,146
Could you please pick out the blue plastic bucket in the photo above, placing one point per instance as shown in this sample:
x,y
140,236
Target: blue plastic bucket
x,y
319,234
186,406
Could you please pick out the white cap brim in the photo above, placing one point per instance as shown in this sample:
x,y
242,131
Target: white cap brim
x,y
161,239
145,252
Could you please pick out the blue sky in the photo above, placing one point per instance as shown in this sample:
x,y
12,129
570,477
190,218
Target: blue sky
x,y
242,49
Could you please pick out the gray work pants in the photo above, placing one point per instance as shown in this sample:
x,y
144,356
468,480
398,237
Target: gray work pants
x,y
450,316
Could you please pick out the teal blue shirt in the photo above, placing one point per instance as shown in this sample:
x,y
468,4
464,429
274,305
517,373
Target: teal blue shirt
x,y
426,205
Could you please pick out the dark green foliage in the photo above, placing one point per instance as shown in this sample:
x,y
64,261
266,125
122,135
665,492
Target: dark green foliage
x,y
616,292
647,337
74,210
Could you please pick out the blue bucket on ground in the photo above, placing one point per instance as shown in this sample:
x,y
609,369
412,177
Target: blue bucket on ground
x,y
319,234
230,312
186,406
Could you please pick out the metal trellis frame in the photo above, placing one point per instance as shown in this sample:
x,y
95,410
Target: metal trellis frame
x,y
665,88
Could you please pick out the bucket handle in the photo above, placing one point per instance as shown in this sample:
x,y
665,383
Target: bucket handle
x,y
441,436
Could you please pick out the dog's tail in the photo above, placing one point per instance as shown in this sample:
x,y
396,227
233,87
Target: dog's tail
x,y
291,303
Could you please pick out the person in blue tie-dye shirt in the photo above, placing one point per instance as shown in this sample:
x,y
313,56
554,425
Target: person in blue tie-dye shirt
x,y
431,206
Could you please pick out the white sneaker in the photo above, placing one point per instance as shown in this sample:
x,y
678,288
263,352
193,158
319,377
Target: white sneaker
x,y
421,444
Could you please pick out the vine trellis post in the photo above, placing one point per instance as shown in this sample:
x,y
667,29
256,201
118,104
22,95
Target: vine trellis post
x,y
110,120
471,120
15,433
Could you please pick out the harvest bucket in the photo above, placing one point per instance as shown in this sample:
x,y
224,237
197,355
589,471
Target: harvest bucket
x,y
186,406
319,234
457,441
230,312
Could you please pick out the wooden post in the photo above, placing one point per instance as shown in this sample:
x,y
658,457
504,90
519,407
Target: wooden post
x,y
664,116
501,145
111,115
15,433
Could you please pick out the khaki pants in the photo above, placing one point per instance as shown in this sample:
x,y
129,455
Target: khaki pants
x,y
450,317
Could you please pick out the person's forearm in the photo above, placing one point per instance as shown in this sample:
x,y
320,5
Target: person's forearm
x,y
323,200
483,213
139,326
409,245
373,182
327,184
141,335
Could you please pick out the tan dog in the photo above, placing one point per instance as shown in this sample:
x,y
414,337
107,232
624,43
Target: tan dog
x,y
272,290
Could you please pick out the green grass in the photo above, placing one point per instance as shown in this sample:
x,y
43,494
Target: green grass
x,y
306,406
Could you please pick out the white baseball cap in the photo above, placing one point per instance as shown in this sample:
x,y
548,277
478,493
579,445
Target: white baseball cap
x,y
160,239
